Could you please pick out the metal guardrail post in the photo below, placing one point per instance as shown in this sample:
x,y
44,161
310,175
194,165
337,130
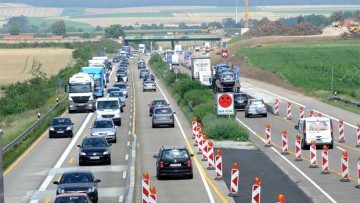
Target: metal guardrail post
x,y
2,171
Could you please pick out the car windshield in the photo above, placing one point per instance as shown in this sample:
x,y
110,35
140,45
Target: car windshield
x,y
149,82
116,94
61,121
256,102
76,178
109,90
163,111
79,87
101,105
175,154
71,199
240,96
159,102
103,124
228,75
121,86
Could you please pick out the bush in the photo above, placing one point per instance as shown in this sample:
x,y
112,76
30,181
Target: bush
x,y
196,97
202,110
184,85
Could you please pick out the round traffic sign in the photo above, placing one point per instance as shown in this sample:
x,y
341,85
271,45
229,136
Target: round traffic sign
x,y
224,54
225,100
176,70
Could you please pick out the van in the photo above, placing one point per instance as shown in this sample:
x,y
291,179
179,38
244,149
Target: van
x,y
175,59
109,107
319,129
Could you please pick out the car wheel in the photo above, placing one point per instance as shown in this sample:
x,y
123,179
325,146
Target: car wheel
x,y
143,90
304,145
173,125
71,111
191,176
154,90
109,162
72,135
153,126
247,115
122,110
331,146
150,114
81,163
265,115
119,122
50,136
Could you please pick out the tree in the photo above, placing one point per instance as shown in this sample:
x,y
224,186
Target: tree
x,y
337,16
71,29
114,31
58,28
80,30
183,25
98,28
154,26
215,24
128,27
300,19
228,22
86,35
21,21
14,29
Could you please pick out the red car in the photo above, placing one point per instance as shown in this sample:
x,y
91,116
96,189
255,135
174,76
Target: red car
x,y
72,197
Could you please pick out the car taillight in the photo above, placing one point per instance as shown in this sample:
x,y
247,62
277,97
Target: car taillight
x,y
223,79
188,163
152,106
304,129
161,164
249,105
172,116
154,117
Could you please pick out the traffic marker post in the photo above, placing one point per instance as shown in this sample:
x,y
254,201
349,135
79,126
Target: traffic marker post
x,y
358,174
298,148
198,129
268,136
200,143
234,186
194,125
301,112
311,113
276,110
197,137
256,191
204,148
145,185
341,131
152,196
284,143
319,114
218,164
288,112
325,160
281,198
358,135
210,153
313,162
344,167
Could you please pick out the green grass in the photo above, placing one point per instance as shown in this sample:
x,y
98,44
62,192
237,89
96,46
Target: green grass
x,y
129,15
44,23
310,65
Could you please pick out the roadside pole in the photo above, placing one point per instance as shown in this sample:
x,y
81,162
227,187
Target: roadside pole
x,y
2,170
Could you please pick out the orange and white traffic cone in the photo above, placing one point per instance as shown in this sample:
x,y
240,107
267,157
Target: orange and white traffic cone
x,y
358,174
234,185
284,143
210,156
344,167
200,143
313,162
152,196
281,198
204,148
256,191
288,115
145,185
298,148
325,160
194,125
311,113
341,131
276,110
301,112
268,136
218,165
358,135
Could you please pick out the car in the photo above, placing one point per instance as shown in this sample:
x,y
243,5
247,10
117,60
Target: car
x,y
255,107
141,60
142,65
111,89
104,127
157,103
109,107
149,85
78,181
94,149
72,198
143,72
163,116
120,95
123,87
147,53
121,76
218,69
228,78
131,56
61,127
240,100
173,161
149,77
125,60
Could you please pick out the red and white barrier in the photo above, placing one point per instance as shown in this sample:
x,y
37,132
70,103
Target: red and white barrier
x,y
298,148
288,112
276,110
152,196
197,137
197,132
311,114
200,140
268,136
256,191
234,186
218,165
194,125
281,198
313,162
284,142
301,112
358,135
210,156
325,160
358,174
204,148
344,167
341,131
145,185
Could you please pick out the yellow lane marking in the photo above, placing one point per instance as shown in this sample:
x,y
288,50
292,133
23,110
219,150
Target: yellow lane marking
x,y
47,200
59,178
71,160
85,135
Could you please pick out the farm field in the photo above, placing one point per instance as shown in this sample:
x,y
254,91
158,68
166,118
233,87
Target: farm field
x,y
310,65
16,63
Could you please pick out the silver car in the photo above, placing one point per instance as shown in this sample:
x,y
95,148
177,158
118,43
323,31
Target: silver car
x,y
111,89
163,116
104,127
149,85
255,107
120,95
123,87
227,78
143,72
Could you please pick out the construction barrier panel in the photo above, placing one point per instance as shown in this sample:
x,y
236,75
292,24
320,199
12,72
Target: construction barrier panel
x,y
341,131
344,167
325,160
268,136
234,185
218,164
298,148
313,161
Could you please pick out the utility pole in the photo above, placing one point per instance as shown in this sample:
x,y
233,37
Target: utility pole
x,y
2,170
236,12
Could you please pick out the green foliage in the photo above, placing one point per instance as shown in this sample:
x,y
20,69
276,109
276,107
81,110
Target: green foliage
x,y
58,28
196,97
21,21
14,29
202,110
83,53
183,85
114,31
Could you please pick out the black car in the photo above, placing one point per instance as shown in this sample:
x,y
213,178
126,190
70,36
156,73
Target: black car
x,y
94,149
240,100
173,161
142,65
78,182
61,127
157,103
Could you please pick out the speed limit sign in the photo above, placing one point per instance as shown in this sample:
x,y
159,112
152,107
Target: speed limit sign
x,y
224,54
176,70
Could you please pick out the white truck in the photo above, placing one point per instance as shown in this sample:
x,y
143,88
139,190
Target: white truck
x,y
81,87
142,48
175,59
201,69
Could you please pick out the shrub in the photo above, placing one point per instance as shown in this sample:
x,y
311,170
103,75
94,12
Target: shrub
x,y
202,110
196,97
185,85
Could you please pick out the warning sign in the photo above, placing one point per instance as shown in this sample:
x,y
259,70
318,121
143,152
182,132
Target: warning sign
x,y
225,103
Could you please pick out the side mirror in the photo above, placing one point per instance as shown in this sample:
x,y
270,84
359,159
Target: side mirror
x,y
155,156
97,181
296,127
71,123
192,155
56,182
79,146
65,88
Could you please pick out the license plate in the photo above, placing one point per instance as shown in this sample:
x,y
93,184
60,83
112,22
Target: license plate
x,y
94,157
60,131
174,165
81,105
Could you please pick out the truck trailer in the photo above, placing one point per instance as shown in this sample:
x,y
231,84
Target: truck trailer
x,y
201,69
97,73
142,48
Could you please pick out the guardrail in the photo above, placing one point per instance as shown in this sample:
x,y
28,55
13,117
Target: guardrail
x,y
23,135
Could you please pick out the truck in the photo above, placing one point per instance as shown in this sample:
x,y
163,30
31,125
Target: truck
x,y
126,49
178,49
142,48
81,92
175,59
201,69
105,60
218,85
97,73
99,63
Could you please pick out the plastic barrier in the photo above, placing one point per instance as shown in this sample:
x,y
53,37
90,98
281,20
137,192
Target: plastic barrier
x,y
301,112
256,191
152,196
288,112
218,164
276,110
268,136
358,135
341,131
210,156
194,124
325,160
145,185
344,167
298,148
358,173
234,186
313,162
284,143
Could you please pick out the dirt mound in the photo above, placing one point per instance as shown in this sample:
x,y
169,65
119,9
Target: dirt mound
x,y
333,31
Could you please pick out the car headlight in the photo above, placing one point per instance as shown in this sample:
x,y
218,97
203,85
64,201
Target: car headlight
x,y
51,129
82,153
60,190
111,133
94,134
106,153
92,189
68,128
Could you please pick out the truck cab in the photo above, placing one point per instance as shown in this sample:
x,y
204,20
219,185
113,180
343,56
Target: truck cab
x,y
81,87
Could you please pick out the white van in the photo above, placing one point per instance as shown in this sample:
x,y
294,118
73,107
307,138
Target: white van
x,y
175,59
319,129
109,107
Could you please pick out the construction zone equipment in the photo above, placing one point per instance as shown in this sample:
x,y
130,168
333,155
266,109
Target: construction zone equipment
x,y
336,23
210,29
354,28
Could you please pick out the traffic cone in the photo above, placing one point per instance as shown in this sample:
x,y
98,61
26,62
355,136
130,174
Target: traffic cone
x,y
358,135
276,110
325,160
298,148
256,191
152,196
145,184
194,124
210,156
341,131
313,162
234,186
288,115
268,136
344,167
281,198
301,112
197,137
311,113
218,164
358,173
284,143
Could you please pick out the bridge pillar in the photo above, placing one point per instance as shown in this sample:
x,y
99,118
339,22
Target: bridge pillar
x,y
172,44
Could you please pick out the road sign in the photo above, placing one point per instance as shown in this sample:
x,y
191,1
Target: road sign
x,y
225,103
237,72
224,44
187,56
169,58
176,70
224,54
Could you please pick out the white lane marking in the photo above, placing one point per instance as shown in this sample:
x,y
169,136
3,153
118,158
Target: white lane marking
x,y
340,148
130,124
124,174
294,102
291,164
34,201
207,188
129,132
126,157
128,143
121,198
60,161
130,116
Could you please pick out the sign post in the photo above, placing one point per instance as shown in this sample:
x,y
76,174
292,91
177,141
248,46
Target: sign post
x,y
176,71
